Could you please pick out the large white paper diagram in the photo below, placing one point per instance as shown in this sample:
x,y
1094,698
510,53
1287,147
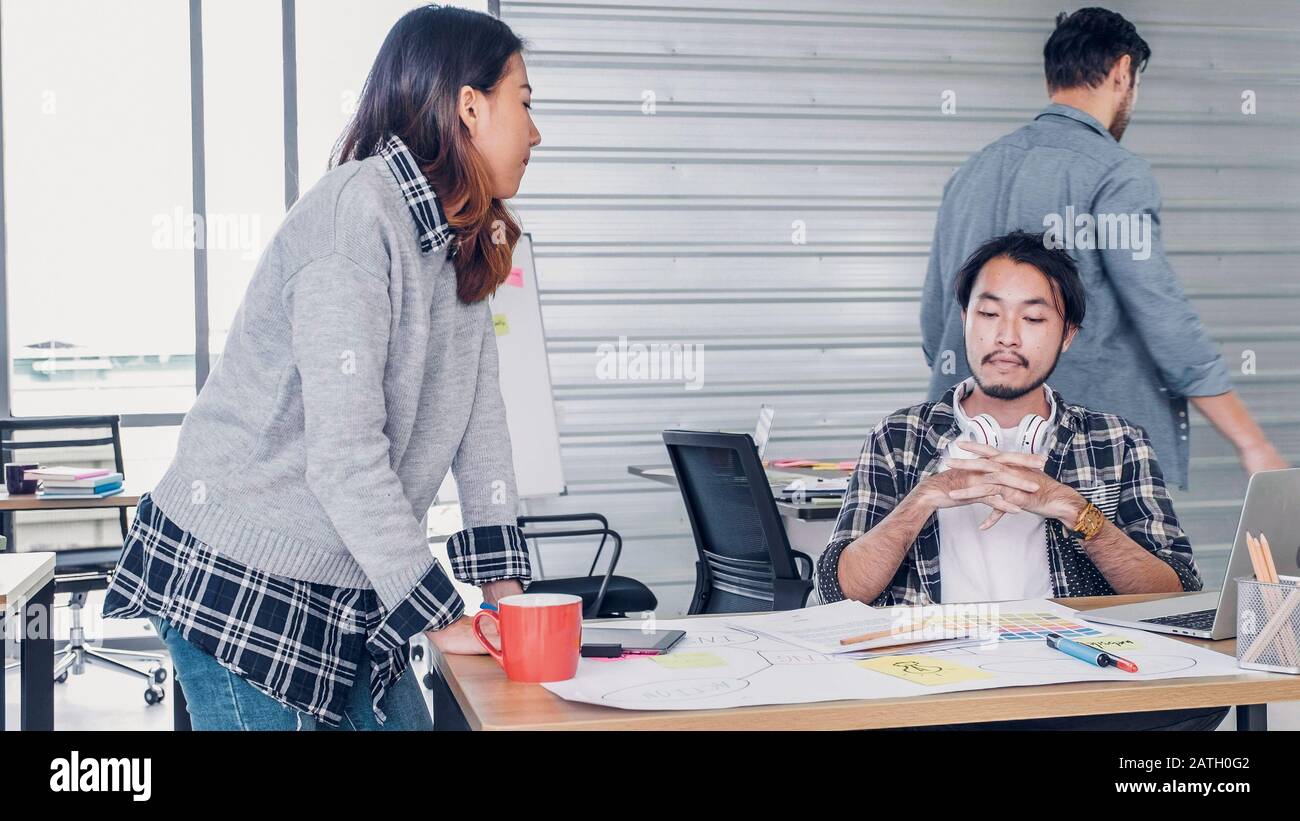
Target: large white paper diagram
x,y
718,665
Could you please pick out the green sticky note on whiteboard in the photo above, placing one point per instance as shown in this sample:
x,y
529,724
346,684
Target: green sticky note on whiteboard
x,y
688,661
500,324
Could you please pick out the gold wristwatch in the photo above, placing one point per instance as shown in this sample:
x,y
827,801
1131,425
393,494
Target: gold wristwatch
x,y
1089,523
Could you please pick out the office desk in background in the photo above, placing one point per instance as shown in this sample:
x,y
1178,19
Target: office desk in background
x,y
803,512
27,588
30,501
489,701
38,660
808,525
128,498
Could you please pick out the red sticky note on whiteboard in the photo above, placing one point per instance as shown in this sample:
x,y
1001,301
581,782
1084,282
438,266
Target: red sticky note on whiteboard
x,y
516,277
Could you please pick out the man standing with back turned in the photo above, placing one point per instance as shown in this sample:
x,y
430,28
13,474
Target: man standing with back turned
x,y
1144,352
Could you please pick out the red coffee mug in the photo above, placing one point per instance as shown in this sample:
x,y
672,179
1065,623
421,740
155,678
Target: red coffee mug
x,y
541,636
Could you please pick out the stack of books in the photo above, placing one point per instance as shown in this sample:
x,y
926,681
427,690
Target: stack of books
x,y
76,483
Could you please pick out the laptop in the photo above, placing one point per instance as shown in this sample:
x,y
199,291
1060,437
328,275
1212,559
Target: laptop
x,y
1272,507
763,430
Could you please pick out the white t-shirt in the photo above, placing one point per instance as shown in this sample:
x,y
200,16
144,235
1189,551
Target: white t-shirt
x,y
1006,562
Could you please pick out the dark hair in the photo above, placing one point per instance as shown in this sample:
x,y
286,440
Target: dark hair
x,y
1035,250
412,91
1085,46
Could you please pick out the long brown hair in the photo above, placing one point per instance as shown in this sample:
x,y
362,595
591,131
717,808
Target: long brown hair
x,y
412,89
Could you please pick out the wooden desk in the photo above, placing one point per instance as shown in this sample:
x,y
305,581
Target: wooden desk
x,y
27,586
489,701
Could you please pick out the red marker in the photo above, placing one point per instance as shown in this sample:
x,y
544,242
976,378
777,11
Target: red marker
x,y
1089,654
1122,663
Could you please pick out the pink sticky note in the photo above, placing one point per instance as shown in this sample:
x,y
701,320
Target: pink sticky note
x,y
516,277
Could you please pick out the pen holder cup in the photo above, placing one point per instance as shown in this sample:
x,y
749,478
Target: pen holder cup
x,y
1268,626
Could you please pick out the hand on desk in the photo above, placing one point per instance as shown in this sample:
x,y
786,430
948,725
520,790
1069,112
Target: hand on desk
x,y
458,637
494,592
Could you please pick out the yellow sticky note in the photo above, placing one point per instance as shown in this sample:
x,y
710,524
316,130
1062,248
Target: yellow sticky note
x,y
688,661
500,324
924,669
1112,644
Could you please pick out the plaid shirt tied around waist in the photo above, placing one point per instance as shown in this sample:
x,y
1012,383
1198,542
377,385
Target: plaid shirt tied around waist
x,y
302,643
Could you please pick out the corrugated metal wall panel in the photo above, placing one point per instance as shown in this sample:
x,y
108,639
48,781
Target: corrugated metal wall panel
x,y
676,227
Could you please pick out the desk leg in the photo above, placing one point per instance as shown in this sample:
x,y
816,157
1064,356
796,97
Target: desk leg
x,y
4,659
1252,717
180,715
38,660
446,712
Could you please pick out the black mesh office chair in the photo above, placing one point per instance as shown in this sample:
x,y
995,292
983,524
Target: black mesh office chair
x,y
745,561
77,571
603,596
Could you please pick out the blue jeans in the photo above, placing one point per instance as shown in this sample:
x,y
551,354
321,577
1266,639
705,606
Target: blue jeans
x,y
218,699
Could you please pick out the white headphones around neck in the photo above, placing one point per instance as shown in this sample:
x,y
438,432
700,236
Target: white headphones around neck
x,y
1031,433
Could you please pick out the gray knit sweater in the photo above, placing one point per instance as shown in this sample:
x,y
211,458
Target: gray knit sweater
x,y
351,381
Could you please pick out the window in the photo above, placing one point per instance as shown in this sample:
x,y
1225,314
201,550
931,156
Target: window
x,y
243,151
99,271
99,282
337,43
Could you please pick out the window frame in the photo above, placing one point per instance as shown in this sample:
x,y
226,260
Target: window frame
x,y
202,348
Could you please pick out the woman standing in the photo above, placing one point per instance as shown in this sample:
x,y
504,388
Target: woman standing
x,y
282,557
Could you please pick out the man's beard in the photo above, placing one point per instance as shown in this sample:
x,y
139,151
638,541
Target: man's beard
x,y
1006,392
1120,123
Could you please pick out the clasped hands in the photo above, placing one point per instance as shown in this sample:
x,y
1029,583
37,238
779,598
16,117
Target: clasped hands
x,y
1006,482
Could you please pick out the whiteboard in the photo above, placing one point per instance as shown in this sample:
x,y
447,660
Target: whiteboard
x,y
525,382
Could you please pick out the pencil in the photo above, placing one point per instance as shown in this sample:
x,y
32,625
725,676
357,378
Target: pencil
x,y
879,634
1268,559
1289,648
1256,560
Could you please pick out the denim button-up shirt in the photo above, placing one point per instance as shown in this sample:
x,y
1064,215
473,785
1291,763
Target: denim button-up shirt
x,y
1142,349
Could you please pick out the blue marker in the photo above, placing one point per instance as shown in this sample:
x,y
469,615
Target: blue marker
x,y
486,606
1091,655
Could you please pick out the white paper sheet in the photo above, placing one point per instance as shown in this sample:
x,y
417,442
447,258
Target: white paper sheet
x,y
718,666
822,628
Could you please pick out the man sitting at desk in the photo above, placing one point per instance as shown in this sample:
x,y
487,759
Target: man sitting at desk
x,y
1011,491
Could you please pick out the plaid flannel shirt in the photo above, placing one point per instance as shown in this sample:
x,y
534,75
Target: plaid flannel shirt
x,y
1107,460
300,642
